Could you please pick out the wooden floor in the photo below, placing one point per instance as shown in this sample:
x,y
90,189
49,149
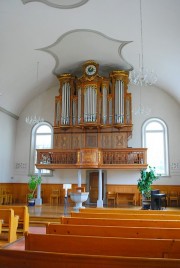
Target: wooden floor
x,y
56,211
47,213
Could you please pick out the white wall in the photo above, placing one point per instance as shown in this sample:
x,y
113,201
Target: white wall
x,y
166,108
7,147
162,106
42,106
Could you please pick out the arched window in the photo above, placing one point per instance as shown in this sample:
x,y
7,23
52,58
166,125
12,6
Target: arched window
x,y
41,138
155,138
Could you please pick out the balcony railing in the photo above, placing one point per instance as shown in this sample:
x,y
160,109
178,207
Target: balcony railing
x,y
128,158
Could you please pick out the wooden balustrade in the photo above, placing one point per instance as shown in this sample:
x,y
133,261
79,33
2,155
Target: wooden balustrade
x,y
128,158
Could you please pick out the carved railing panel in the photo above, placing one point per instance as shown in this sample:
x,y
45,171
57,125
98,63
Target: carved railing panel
x,y
53,157
119,157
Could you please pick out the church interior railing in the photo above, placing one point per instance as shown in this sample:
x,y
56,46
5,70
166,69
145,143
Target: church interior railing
x,y
128,158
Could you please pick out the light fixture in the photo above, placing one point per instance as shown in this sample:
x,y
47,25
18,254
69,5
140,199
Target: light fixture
x,y
143,76
141,109
32,120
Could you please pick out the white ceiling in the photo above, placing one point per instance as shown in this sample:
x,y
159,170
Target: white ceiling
x,y
41,38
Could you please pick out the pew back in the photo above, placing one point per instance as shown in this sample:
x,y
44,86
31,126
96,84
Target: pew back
x,y
128,211
126,216
17,259
121,222
113,231
106,246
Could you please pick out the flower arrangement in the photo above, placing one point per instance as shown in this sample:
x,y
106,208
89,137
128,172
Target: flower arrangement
x,y
148,176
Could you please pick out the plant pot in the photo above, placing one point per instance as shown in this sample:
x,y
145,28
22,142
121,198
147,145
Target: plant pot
x,y
31,203
146,203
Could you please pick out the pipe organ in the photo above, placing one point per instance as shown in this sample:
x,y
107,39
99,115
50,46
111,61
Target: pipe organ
x,y
93,101
93,123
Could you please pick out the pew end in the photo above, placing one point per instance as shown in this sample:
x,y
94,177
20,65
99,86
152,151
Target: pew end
x,y
23,213
10,224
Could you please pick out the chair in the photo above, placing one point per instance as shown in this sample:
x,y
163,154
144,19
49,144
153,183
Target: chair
x,y
165,200
111,196
3,196
9,198
80,189
173,198
54,197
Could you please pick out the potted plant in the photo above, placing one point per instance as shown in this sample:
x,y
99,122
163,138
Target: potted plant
x,y
148,176
33,182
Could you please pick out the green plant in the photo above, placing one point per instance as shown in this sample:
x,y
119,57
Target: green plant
x,y
148,176
33,182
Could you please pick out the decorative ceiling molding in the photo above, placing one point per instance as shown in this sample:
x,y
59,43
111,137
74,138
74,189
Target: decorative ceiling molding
x,y
63,4
9,113
77,46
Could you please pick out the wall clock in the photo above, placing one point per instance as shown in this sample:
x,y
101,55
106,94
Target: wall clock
x,y
90,69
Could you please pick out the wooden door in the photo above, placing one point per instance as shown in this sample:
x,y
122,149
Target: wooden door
x,y
93,186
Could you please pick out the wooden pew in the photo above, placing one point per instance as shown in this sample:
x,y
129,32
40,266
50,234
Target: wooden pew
x,y
31,259
22,212
128,211
121,222
113,231
1,222
126,216
10,223
106,246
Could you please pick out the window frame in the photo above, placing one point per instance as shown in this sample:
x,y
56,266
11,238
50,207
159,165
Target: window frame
x,y
33,149
165,140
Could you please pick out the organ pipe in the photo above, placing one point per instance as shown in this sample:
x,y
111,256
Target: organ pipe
x,y
79,105
93,100
65,104
90,104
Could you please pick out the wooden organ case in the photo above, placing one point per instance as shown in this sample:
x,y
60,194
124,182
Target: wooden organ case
x,y
92,123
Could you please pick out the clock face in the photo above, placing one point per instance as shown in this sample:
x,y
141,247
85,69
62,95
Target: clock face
x,y
90,69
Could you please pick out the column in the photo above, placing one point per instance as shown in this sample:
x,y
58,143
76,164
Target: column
x,y
100,201
38,200
79,177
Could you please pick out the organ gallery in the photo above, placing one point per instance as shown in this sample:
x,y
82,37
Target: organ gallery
x,y
92,122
